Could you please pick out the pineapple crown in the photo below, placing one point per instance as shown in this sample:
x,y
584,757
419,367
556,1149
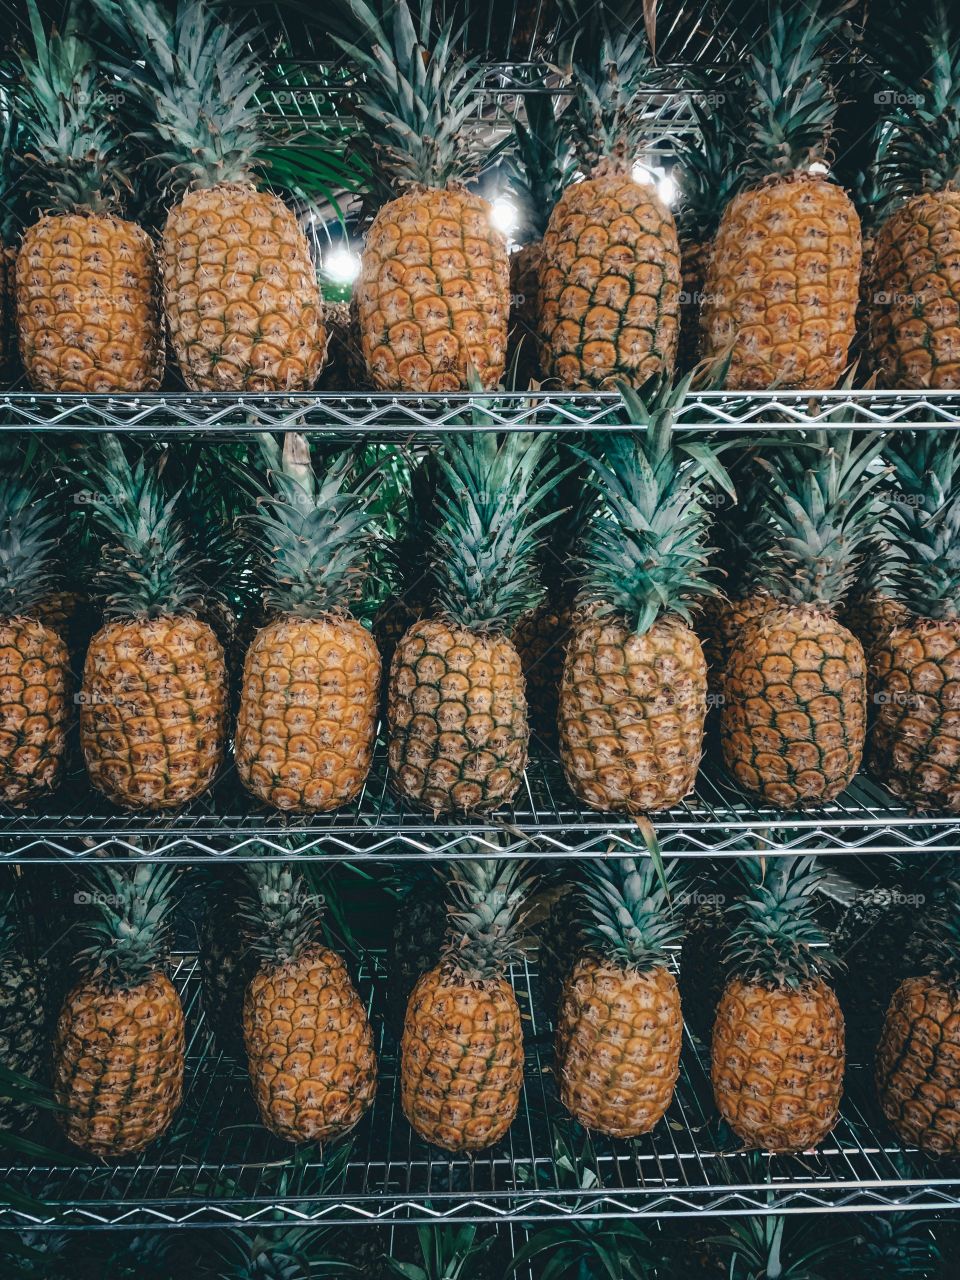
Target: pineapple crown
x,y
487,532
761,1247
148,568
923,123
925,519
776,940
27,541
71,138
899,1246
281,913
709,170
643,553
408,554
313,531
743,531
131,936
541,164
487,916
199,82
415,93
792,105
612,66
631,919
824,508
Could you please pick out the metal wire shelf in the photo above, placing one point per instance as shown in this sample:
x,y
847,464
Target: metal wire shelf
x,y
218,1166
391,417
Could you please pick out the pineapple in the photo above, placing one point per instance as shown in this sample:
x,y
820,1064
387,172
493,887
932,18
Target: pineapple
x,y
538,171
915,275
281,1253
896,1246
118,1054
871,610
915,739
311,677
86,280
918,1057
22,1010
778,1037
462,1048
416,940
619,1030
309,1043
456,710
609,285
434,285
793,719
768,1247
34,661
633,697
241,296
784,275
154,696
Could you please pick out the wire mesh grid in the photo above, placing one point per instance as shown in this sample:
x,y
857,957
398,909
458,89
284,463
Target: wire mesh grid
x,y
218,1166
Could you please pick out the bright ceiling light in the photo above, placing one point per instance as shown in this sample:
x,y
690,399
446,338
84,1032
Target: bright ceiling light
x,y
819,167
341,265
667,190
641,173
503,214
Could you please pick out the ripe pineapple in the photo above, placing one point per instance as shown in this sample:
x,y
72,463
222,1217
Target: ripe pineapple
x,y
918,1057
434,285
609,286
118,1054
462,1048
619,1030
633,697
154,695
241,296
793,719
915,277
311,677
309,1044
778,1036
22,1010
456,710
86,280
784,275
871,610
915,739
34,661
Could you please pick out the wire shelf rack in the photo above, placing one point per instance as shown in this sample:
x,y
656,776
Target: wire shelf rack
x,y
391,417
717,821
217,1166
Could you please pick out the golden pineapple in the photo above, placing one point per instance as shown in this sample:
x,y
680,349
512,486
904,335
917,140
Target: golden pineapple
x,y
633,697
241,294
34,661
456,707
778,1052
915,667
309,1045
433,290
609,288
784,275
461,1066
872,611
118,1056
311,677
793,719
619,1029
154,697
721,621
85,280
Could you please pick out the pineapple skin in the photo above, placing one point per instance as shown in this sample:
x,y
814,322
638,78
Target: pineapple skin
x,y
23,1028
915,738
34,709
461,1060
308,712
433,293
309,1047
778,1059
87,305
632,711
914,329
457,717
918,1065
153,710
619,1036
792,723
541,637
872,619
609,285
241,295
719,625
783,285
118,1064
